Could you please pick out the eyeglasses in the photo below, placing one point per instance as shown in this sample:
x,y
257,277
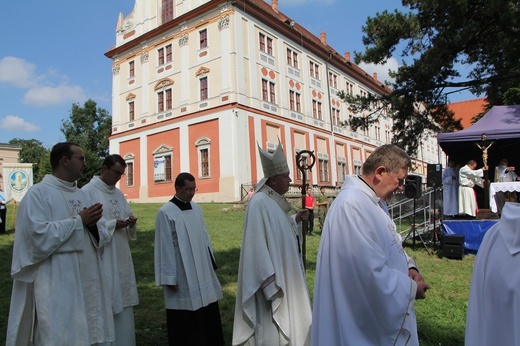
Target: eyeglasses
x,y
116,172
190,190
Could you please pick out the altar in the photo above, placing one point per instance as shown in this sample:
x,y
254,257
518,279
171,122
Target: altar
x,y
501,187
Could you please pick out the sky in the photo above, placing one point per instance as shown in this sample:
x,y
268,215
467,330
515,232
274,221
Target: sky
x,y
52,54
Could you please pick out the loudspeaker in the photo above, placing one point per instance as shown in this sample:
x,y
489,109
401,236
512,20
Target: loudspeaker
x,y
434,176
453,246
413,186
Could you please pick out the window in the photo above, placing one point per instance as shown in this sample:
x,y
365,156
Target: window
x,y
335,116
203,146
204,88
349,88
294,100
316,110
131,111
377,128
324,170
169,99
162,167
292,58
167,10
314,70
129,173
204,162
268,91
131,67
266,44
164,55
342,171
162,97
160,101
160,54
203,38
333,80
169,56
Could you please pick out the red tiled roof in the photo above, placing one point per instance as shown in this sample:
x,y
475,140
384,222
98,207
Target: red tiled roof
x,y
467,110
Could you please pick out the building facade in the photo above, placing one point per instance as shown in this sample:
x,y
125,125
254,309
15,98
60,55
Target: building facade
x,y
197,85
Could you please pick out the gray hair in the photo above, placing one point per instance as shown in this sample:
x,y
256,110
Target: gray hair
x,y
388,155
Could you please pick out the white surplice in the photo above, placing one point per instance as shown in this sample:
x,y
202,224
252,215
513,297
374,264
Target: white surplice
x,y
363,294
494,300
468,178
183,257
59,295
272,303
450,193
116,257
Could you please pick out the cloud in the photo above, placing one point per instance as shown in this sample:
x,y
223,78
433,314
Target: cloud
x,y
49,95
15,123
43,90
18,72
381,70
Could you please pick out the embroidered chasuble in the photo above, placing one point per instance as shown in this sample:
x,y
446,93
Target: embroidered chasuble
x,y
272,304
59,295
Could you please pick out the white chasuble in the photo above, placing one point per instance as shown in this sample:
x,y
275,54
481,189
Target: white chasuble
x,y
272,304
59,296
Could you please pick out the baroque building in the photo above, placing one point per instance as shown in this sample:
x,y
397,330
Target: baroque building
x,y
198,84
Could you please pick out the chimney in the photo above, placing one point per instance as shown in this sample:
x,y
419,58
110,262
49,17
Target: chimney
x,y
347,56
323,37
274,6
375,75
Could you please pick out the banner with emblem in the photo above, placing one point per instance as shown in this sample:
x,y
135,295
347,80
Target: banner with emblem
x,y
18,178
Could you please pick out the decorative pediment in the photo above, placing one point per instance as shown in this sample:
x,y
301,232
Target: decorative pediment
x,y
162,149
202,141
203,70
129,157
130,96
163,83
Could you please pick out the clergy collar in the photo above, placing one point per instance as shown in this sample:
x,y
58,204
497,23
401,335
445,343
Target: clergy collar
x,y
275,196
183,201
183,205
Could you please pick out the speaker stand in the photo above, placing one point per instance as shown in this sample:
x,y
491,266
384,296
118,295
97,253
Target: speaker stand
x,y
413,231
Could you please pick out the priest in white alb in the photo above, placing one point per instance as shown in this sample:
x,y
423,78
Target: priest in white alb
x,y
272,303
469,176
450,187
117,258
59,294
366,285
494,298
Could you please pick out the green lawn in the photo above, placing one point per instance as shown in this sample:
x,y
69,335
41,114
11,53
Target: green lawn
x,y
441,317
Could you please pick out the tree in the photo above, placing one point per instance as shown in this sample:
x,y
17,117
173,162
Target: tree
x,y
89,126
33,151
436,37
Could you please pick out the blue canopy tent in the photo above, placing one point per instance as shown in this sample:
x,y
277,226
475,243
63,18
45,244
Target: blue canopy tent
x,y
501,125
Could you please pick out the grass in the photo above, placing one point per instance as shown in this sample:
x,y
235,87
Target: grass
x,y
441,317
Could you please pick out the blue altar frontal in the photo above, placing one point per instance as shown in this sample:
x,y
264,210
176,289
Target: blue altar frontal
x,y
473,231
